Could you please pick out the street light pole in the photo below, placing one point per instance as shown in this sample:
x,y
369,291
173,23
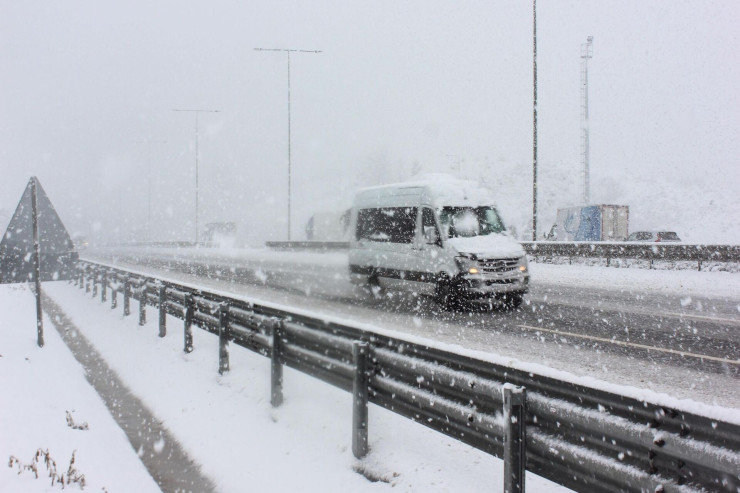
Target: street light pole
x,y
534,119
587,52
288,51
197,112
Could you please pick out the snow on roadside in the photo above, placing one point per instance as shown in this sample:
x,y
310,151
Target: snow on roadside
x,y
39,386
679,282
226,422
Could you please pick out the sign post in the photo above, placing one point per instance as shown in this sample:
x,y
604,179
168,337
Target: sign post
x,y
36,264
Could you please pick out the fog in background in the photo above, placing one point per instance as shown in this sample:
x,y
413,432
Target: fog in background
x,y
399,88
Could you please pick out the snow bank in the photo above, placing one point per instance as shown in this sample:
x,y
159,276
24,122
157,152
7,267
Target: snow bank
x,y
693,283
39,386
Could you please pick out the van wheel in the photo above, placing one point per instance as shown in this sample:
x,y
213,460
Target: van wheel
x,y
373,286
444,293
512,301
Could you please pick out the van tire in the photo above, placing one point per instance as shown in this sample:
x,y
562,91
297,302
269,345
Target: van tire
x,y
512,301
373,286
445,294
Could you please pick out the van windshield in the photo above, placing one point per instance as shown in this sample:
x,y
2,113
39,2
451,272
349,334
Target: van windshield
x,y
463,222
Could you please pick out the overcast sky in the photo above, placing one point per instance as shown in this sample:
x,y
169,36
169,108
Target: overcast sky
x,y
398,86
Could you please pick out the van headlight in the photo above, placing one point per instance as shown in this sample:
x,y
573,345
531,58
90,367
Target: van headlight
x,y
467,264
523,264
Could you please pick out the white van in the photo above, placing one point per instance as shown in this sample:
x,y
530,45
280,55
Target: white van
x,y
442,237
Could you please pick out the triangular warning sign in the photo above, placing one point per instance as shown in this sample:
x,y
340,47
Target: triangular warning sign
x,y
16,248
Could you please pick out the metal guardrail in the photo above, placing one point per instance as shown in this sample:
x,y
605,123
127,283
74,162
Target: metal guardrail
x,y
642,251
608,250
584,438
156,244
308,245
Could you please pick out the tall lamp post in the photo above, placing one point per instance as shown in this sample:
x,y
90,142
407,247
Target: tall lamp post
x,y
587,52
149,184
288,51
197,112
534,119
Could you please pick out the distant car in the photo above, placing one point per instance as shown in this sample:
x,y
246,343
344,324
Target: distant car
x,y
653,236
80,242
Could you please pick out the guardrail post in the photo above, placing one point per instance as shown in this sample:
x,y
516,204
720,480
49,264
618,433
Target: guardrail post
x,y
87,284
95,284
515,441
126,297
189,312
142,304
162,310
359,400
276,367
103,287
81,278
699,267
113,298
223,338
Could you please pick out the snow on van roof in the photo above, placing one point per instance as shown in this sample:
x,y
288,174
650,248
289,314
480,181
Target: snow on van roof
x,y
445,190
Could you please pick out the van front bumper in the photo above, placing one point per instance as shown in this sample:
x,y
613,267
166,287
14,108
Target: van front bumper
x,y
475,287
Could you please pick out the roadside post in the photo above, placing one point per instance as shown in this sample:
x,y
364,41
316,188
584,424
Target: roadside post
x,y
37,265
514,438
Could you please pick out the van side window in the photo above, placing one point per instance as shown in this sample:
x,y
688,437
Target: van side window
x,y
387,224
429,227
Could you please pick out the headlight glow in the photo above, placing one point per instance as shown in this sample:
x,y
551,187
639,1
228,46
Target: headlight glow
x,y
466,264
523,264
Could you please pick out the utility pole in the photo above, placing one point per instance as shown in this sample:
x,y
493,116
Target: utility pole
x,y
149,184
534,120
587,52
197,112
288,51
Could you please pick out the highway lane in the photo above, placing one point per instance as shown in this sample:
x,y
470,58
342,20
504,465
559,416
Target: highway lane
x,y
698,307
708,346
607,320
650,341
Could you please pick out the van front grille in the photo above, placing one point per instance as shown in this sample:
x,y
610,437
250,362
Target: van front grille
x,y
499,265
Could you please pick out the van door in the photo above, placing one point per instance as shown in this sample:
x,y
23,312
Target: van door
x,y
387,234
428,259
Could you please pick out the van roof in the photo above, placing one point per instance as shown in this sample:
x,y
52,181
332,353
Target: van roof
x,y
436,189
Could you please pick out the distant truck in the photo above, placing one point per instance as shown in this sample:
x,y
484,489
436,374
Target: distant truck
x,y
328,226
591,223
219,235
